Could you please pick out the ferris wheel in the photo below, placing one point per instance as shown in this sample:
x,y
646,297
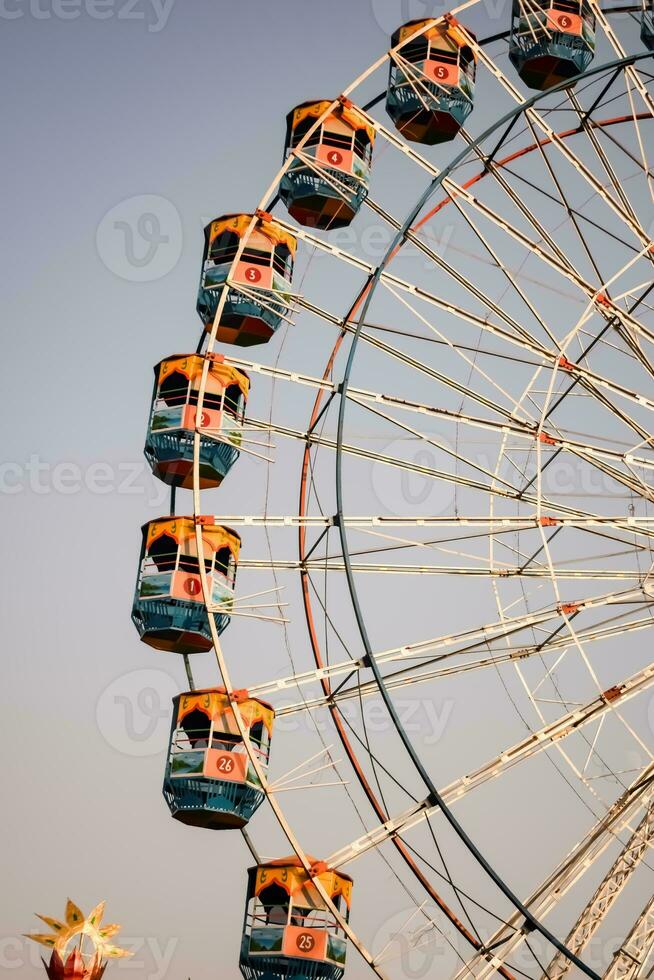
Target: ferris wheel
x,y
439,460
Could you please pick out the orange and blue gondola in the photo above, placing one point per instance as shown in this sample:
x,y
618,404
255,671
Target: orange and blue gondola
x,y
288,930
259,291
169,445
431,85
551,40
328,178
210,781
168,609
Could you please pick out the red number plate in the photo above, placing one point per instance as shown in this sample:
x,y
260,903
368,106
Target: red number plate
x,y
259,276
441,72
229,766
337,159
559,20
310,944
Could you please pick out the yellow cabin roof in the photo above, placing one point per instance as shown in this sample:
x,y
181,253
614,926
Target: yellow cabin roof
x,y
182,531
289,874
191,365
215,703
446,29
348,113
238,224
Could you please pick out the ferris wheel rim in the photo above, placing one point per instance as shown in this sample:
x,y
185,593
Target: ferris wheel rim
x,y
197,511
305,577
342,528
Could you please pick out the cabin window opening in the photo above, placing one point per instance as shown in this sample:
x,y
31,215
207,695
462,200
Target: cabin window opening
x,y
256,256
275,901
300,131
283,261
257,732
163,552
173,390
445,55
212,399
234,401
194,729
224,248
415,51
225,741
224,563
341,140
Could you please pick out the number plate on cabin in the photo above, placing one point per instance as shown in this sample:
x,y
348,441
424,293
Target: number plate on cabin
x,y
230,766
259,276
559,20
442,72
335,158
311,944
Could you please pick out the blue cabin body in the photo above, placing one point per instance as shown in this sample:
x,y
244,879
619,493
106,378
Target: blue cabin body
x,y
272,967
327,192
170,441
647,25
258,300
551,42
209,780
168,609
170,455
431,83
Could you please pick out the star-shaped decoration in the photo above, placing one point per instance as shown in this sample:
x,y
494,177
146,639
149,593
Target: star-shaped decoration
x,y
76,964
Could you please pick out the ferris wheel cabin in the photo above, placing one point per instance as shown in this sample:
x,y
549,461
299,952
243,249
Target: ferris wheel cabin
x,y
288,930
432,81
551,41
168,610
647,25
173,419
260,284
327,181
209,779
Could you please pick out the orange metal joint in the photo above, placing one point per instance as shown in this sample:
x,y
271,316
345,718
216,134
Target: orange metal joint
x,y
204,520
240,696
548,521
319,868
264,215
565,364
214,358
347,103
611,694
569,608
547,439
603,299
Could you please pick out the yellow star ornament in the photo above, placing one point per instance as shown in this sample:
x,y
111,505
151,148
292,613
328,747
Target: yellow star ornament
x,y
77,963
